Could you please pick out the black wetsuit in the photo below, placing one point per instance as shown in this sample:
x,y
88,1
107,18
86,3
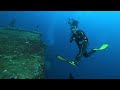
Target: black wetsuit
x,y
82,43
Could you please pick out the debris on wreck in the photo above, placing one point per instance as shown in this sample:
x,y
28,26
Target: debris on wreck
x,y
21,54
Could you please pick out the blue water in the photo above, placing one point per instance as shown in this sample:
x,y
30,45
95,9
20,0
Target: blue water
x,y
99,26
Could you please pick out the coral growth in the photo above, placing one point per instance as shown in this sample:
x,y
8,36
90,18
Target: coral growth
x,y
21,55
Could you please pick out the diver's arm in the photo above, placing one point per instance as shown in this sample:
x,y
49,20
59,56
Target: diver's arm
x,y
72,38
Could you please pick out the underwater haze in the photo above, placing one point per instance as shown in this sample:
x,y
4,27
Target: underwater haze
x,y
99,26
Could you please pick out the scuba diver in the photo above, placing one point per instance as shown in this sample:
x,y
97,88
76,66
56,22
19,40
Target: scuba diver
x,y
12,24
36,28
71,76
81,40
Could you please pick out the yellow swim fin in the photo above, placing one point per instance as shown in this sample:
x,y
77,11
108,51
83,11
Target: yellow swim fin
x,y
65,60
104,46
61,58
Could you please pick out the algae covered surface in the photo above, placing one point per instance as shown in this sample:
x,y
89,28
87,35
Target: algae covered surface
x,y
21,54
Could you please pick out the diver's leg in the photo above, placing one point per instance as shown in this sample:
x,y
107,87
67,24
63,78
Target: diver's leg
x,y
88,54
78,57
82,49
